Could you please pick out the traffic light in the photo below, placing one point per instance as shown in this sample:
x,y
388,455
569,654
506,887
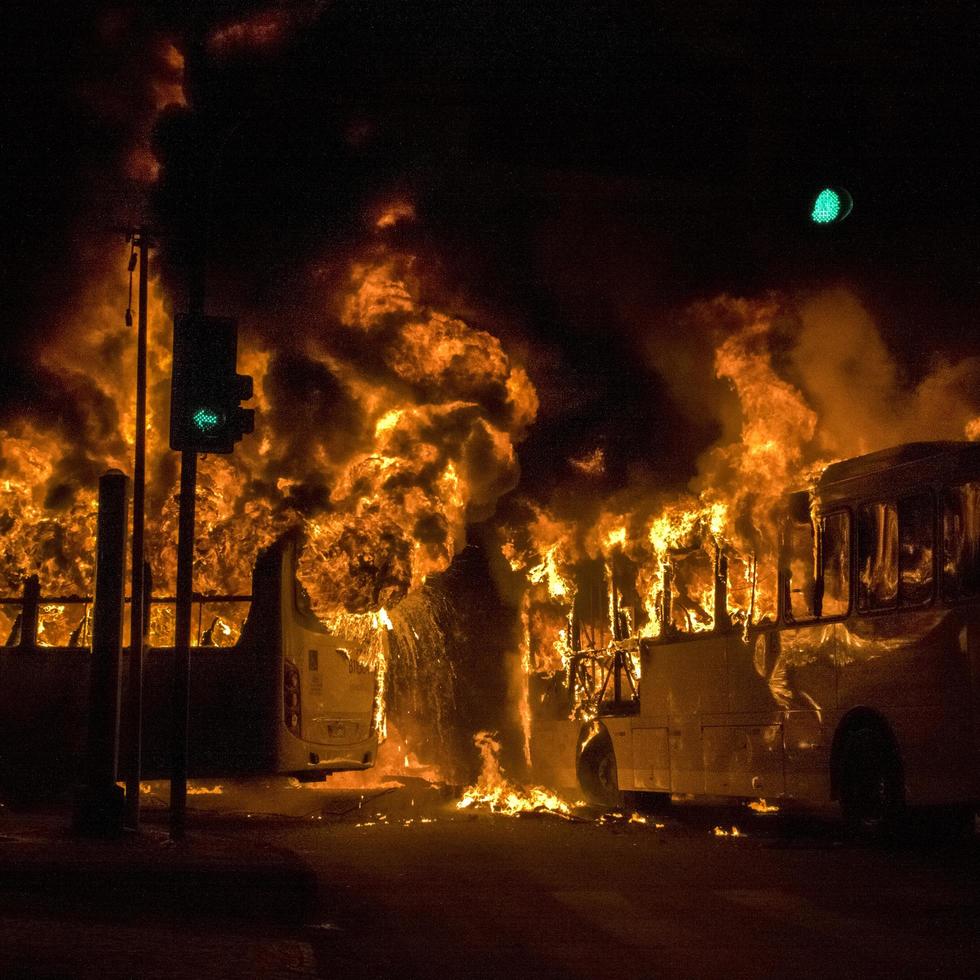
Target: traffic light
x,y
830,205
205,415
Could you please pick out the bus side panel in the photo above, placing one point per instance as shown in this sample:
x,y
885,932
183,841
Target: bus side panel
x,y
692,676
651,759
229,728
913,669
554,744
620,731
651,732
745,756
804,684
807,739
743,760
894,660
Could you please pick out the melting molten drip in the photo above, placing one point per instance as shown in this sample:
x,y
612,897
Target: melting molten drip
x,y
494,791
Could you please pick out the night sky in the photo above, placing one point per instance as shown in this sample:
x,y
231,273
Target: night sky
x,y
579,171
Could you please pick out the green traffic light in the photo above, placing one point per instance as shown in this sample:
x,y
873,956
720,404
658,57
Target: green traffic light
x,y
206,420
826,207
832,204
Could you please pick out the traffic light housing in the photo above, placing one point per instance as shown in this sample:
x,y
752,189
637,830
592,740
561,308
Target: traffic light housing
x,y
205,414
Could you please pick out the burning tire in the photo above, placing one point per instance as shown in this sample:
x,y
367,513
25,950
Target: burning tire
x,y
597,772
871,792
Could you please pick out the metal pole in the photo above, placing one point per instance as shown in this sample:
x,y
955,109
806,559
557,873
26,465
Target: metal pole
x,y
182,643
99,803
137,560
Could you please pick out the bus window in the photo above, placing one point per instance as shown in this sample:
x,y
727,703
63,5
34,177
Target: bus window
x,y
877,556
799,562
961,541
836,531
766,588
915,525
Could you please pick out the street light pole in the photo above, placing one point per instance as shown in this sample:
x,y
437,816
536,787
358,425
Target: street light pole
x,y
185,590
137,604
182,645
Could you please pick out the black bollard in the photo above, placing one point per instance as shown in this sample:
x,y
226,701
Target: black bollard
x,y
99,801
29,612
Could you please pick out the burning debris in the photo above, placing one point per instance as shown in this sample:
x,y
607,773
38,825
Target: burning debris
x,y
494,791
721,832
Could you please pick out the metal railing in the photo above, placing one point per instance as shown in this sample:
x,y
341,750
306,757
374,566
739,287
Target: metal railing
x,y
31,602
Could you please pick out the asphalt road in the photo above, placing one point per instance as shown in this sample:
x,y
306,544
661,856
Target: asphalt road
x,y
408,886
411,887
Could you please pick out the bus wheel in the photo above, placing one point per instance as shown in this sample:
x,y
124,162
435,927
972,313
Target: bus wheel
x,y
871,795
597,773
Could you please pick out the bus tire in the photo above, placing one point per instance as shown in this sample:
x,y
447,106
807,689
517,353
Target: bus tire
x,y
870,787
597,773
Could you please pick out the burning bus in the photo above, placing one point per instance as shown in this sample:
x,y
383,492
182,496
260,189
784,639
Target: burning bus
x,y
860,684
290,696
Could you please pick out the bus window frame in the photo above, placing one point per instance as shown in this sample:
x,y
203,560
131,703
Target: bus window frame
x,y
787,618
940,589
898,605
937,544
851,541
895,606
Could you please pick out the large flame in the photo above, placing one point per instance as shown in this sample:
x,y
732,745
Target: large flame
x,y
381,511
778,436
498,794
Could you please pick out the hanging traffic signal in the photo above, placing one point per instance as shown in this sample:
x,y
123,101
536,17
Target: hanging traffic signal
x,y
830,205
205,414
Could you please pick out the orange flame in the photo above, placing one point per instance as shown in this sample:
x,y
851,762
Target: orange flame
x,y
494,791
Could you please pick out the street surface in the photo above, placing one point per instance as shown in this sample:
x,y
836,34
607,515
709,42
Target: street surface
x,y
409,887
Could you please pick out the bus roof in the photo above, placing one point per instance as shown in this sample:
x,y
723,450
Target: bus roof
x,y
887,459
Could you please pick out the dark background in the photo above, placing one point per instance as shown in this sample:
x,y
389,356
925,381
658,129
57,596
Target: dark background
x,y
579,171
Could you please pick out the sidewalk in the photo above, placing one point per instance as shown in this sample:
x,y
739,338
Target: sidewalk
x,y
42,863
143,907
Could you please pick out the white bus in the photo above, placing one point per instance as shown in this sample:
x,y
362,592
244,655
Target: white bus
x,y
289,697
865,687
